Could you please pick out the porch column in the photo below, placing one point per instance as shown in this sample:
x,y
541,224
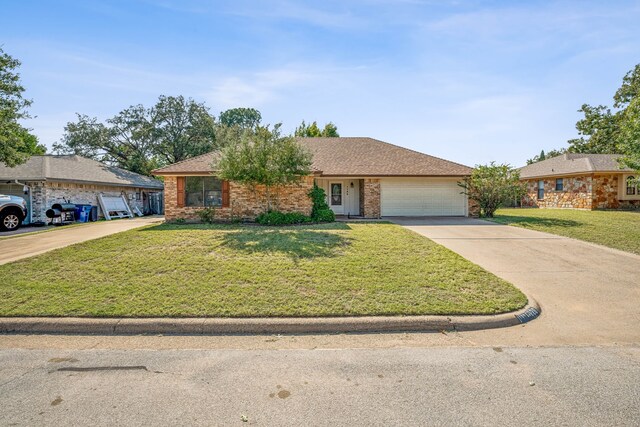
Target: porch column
x,y
371,196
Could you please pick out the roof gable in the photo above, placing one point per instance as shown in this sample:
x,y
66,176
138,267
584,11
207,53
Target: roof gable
x,y
198,164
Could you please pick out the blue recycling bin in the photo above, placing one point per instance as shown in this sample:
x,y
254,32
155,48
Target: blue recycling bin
x,y
82,213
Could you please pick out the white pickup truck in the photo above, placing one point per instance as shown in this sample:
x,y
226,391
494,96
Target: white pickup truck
x,y
13,210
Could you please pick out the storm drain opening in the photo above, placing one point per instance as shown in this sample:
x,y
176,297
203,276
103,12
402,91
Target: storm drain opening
x,y
528,315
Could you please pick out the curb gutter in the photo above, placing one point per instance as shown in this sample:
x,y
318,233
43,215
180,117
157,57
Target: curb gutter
x,y
221,326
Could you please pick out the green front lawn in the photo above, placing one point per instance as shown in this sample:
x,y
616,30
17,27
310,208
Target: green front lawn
x,y
235,271
615,229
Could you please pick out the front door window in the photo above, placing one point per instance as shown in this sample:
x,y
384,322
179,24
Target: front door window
x,y
336,194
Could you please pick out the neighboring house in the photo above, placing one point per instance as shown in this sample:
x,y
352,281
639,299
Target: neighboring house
x,y
361,176
580,181
45,180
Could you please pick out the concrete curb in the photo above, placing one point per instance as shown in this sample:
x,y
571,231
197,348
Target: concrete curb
x,y
222,326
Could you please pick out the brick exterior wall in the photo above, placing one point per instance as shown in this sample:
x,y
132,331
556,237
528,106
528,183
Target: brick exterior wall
x,y
580,192
244,203
371,197
605,193
361,196
576,194
45,194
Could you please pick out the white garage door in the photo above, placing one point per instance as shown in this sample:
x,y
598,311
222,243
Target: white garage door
x,y
422,197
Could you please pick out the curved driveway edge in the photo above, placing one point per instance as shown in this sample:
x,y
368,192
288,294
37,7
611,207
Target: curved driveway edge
x,y
308,325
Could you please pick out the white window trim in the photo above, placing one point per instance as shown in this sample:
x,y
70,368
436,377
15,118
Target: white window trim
x,y
622,188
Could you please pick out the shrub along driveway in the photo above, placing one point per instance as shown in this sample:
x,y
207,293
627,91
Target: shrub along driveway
x,y
235,271
588,294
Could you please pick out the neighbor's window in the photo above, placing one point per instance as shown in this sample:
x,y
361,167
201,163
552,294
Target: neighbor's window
x,y
540,190
559,184
632,186
203,191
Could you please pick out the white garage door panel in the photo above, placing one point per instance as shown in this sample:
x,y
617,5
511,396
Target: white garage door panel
x,y
422,197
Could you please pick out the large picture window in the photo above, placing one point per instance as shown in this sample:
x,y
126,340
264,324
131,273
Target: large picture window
x,y
205,191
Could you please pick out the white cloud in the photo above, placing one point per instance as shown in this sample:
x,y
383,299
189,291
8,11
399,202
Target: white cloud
x,y
255,89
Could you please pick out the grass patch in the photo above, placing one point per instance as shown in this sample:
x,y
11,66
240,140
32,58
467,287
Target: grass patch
x,y
615,229
333,269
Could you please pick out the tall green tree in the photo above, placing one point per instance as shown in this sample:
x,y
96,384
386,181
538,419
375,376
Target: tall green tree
x,y
492,186
17,143
263,159
141,139
613,130
330,130
627,98
124,141
245,118
181,128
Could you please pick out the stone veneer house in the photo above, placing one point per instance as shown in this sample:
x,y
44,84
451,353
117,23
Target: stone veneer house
x,y
362,177
580,181
45,180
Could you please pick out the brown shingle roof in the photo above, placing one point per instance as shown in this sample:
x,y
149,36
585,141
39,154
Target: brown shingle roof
x,y
573,163
348,156
75,168
357,156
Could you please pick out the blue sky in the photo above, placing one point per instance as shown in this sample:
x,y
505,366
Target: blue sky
x,y
470,81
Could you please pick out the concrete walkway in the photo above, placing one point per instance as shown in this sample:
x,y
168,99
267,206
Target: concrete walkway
x,y
589,294
29,245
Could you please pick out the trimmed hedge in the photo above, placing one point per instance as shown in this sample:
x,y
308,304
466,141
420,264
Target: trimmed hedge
x,y
324,215
280,218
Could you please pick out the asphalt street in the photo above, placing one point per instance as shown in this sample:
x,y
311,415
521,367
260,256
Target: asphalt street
x,y
597,386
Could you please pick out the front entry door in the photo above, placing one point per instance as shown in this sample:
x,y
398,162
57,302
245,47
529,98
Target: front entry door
x,y
336,198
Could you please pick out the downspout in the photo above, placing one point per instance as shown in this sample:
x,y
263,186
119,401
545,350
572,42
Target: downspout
x,y
30,200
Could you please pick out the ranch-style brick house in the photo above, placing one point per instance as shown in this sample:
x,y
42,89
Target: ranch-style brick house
x,y
363,177
580,181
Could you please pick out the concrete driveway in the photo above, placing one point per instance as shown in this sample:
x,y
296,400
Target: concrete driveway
x,y
589,294
15,248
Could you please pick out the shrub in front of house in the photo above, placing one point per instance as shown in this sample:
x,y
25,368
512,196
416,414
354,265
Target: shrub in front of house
x,y
324,215
281,218
207,215
320,211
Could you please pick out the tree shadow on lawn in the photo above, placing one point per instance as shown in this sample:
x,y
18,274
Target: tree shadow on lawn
x,y
295,241
545,222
